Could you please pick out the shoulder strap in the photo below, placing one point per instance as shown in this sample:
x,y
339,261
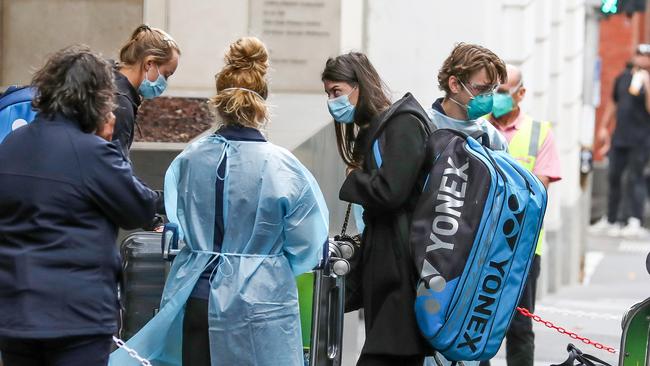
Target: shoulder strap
x,y
392,110
482,137
376,149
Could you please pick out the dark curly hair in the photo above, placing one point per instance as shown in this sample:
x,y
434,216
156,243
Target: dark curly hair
x,y
78,84
466,59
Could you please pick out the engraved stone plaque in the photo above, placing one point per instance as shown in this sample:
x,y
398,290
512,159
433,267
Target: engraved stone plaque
x,y
300,36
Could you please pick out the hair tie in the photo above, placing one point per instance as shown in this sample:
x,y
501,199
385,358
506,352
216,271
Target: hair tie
x,y
244,89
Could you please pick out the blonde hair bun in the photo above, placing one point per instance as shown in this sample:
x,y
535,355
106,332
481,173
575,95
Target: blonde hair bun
x,y
241,84
248,53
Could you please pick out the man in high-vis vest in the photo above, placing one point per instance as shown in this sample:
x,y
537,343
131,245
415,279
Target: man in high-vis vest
x,y
532,144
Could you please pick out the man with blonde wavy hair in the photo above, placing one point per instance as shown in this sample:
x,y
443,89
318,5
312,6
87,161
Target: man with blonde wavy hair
x,y
469,77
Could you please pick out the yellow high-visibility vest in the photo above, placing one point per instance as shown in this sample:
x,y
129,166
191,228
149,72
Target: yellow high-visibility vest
x,y
525,146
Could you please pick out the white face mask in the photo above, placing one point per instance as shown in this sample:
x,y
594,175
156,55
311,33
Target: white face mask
x,y
244,89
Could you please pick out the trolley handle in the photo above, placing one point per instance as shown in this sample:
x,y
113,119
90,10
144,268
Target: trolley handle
x,y
169,242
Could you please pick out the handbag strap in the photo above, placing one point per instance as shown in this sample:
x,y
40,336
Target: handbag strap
x,y
347,219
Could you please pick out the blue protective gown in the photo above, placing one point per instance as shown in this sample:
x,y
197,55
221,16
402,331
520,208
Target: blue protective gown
x,y
276,223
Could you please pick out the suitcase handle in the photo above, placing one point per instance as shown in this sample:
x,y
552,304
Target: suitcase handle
x,y
329,304
335,317
169,242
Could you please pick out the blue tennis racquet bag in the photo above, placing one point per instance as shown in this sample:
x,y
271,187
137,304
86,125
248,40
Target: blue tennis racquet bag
x,y
473,237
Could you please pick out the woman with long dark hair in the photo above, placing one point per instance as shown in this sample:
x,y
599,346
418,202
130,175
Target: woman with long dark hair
x,y
387,185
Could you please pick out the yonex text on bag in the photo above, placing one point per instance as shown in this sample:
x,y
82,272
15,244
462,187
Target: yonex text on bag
x,y
472,238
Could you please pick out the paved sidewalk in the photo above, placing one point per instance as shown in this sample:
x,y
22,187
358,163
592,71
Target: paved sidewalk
x,y
616,279
619,280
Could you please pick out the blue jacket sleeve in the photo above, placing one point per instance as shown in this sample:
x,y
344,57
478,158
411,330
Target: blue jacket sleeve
x,y
306,228
109,179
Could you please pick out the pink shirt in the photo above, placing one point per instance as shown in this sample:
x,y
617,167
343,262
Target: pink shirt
x,y
548,160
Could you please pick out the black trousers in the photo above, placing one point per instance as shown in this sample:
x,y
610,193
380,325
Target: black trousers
x,y
389,360
631,160
196,338
520,339
68,351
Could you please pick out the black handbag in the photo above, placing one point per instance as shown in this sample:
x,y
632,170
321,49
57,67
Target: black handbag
x,y
577,358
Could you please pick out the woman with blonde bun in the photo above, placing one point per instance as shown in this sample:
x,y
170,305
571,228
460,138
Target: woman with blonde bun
x,y
252,218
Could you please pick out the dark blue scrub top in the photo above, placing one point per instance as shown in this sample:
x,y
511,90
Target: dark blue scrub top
x,y
231,133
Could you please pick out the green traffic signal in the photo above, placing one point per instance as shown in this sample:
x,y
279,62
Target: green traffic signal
x,y
609,6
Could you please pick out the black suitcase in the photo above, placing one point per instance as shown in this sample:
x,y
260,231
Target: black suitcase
x,y
144,272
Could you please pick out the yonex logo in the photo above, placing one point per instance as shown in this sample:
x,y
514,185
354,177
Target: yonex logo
x,y
492,283
448,206
512,225
449,203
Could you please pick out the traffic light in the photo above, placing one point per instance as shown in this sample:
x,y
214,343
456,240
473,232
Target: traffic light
x,y
611,7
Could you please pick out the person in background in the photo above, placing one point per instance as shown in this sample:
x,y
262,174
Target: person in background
x,y
532,143
469,78
147,60
383,277
64,191
628,147
252,217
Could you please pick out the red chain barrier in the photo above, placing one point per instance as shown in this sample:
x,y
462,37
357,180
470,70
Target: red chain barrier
x,y
561,330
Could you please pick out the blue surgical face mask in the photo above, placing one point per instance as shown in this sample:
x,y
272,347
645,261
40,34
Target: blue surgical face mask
x,y
478,105
151,89
341,109
503,103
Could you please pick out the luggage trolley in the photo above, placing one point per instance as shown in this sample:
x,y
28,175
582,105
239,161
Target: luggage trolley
x,y
635,340
328,303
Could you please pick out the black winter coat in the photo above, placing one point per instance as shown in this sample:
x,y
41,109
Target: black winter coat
x,y
386,278
63,194
128,101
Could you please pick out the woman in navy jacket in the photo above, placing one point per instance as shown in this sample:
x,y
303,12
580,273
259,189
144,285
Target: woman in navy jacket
x,y
63,193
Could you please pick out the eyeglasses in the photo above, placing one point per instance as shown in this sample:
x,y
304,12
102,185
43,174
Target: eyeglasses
x,y
483,88
510,91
